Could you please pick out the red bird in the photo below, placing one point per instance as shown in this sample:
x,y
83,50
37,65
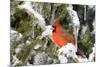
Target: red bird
x,y
59,36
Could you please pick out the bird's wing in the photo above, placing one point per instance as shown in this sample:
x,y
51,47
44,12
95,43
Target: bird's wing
x,y
66,36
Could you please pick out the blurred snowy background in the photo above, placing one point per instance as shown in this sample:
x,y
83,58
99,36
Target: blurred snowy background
x,y
30,19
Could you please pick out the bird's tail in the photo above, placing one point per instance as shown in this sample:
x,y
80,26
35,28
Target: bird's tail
x,y
81,53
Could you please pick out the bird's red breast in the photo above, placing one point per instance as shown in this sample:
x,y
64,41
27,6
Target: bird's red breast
x,y
59,36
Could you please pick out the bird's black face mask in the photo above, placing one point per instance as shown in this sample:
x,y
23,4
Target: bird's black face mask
x,y
54,28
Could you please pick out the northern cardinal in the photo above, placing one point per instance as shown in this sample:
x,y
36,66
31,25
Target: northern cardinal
x,y
62,38
59,36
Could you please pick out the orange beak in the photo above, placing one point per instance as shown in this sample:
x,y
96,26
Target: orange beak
x,y
52,28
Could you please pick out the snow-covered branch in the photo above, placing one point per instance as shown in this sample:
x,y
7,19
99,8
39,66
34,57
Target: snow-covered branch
x,y
28,7
75,20
67,54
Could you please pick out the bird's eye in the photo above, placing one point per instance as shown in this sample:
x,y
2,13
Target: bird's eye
x,y
53,28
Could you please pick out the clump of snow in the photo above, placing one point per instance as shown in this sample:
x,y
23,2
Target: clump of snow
x,y
73,15
47,31
28,42
93,32
40,59
26,5
19,47
65,52
84,28
16,36
55,61
37,46
81,59
68,49
28,64
92,55
91,7
17,50
62,59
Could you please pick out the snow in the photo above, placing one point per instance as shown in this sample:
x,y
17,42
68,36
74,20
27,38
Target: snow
x,y
17,50
94,28
28,64
75,20
73,15
91,7
13,31
15,60
37,46
62,59
47,31
28,6
40,58
15,35
65,52
19,47
68,49
28,42
82,60
92,55
84,28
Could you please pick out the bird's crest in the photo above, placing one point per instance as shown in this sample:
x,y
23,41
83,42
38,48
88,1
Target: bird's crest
x,y
57,22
